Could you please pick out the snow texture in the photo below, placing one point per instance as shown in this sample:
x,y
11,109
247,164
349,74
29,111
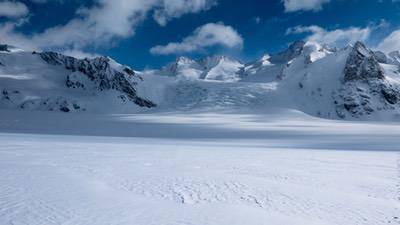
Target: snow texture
x,y
201,168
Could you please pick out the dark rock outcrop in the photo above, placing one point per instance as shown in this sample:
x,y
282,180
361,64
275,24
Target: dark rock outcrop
x,y
53,104
294,50
365,88
362,65
101,73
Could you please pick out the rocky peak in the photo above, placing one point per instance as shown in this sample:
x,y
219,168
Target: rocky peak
x,y
212,61
292,52
362,64
100,71
180,63
183,60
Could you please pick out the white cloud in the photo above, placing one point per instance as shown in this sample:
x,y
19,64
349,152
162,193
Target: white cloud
x,y
175,8
45,1
80,54
305,5
101,24
338,37
13,9
257,20
211,34
391,43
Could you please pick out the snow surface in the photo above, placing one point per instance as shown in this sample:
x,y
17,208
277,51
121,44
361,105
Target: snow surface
x,y
200,167
227,143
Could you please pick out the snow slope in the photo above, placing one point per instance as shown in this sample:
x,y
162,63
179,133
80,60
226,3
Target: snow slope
x,y
214,68
218,168
351,83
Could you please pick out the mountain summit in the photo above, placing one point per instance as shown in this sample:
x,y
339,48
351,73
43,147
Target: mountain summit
x,y
55,82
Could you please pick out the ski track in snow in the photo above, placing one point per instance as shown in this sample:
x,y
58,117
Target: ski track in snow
x,y
71,178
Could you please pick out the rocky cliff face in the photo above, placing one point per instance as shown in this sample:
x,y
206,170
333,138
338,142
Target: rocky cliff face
x,y
50,81
293,51
365,88
101,73
362,64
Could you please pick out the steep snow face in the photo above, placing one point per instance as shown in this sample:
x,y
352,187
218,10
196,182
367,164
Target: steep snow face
x,y
309,85
394,58
262,70
271,68
221,68
217,68
346,84
51,81
183,68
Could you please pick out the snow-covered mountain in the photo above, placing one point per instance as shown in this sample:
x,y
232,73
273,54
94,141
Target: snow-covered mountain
x,y
217,68
353,82
350,83
55,82
271,67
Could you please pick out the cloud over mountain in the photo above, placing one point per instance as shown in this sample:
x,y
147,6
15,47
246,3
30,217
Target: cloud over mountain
x,y
208,35
337,37
390,43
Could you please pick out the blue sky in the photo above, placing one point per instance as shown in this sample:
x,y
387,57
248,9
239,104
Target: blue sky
x,y
150,33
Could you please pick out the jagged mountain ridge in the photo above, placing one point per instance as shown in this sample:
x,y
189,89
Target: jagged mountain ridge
x,y
218,68
55,82
100,71
350,83
332,83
